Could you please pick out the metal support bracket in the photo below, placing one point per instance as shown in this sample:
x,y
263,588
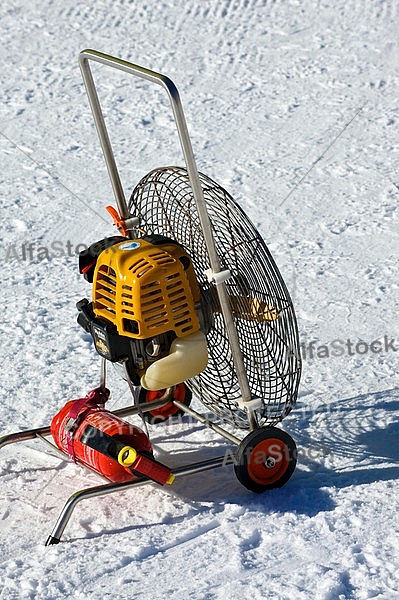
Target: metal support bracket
x,y
217,278
250,405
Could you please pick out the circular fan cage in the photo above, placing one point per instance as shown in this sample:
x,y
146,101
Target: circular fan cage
x,y
163,200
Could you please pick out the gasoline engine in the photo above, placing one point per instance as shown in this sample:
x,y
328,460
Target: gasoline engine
x,y
147,311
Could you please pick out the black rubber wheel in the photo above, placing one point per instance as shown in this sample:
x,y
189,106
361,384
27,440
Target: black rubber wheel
x,y
265,459
179,392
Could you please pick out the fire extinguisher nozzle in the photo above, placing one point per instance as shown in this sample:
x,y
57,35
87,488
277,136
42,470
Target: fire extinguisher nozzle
x,y
127,456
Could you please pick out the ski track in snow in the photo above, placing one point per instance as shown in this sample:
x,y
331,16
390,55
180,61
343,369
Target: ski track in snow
x,y
270,90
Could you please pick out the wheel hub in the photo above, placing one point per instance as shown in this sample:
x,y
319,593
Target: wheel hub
x,y
270,462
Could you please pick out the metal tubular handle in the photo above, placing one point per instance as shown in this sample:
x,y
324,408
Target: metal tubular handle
x,y
84,58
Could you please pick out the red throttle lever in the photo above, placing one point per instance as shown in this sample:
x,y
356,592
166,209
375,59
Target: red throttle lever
x,y
123,225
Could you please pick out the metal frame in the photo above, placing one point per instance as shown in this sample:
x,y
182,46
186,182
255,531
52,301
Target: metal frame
x,y
215,273
110,488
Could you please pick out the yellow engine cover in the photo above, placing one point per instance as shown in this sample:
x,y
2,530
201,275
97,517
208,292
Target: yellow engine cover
x,y
146,289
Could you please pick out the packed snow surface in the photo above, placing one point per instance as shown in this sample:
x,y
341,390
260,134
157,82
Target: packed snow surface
x,y
293,107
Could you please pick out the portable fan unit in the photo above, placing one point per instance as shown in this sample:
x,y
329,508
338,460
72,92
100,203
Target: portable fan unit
x,y
187,301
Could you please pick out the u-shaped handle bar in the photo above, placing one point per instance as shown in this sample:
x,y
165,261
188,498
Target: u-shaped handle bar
x,y
92,55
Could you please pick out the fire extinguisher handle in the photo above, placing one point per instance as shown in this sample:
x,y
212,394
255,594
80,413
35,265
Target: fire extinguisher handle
x,y
145,465
151,468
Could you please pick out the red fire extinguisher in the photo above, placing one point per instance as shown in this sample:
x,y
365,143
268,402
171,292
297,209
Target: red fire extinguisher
x,y
98,439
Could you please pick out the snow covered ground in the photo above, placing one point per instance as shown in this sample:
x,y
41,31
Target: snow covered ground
x,y
293,107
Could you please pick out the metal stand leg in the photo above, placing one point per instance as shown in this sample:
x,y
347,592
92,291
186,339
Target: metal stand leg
x,y
110,488
21,436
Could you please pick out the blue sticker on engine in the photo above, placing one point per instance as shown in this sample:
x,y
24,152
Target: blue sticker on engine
x,y
130,246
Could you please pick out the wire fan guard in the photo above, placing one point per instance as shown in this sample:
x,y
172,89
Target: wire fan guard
x,y
163,200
